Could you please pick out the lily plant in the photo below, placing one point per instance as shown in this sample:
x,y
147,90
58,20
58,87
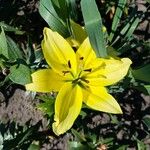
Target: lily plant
x,y
78,77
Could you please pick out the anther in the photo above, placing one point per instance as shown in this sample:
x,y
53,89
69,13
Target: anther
x,y
69,64
87,81
81,58
88,70
64,72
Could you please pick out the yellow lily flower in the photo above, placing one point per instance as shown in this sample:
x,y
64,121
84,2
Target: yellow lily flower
x,y
78,77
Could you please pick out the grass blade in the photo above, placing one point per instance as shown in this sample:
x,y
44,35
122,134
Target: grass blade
x,y
117,17
61,9
49,14
93,26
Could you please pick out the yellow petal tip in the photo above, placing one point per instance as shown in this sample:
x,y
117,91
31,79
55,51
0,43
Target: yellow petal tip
x,y
119,111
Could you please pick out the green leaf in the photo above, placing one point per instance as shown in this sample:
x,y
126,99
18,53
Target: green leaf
x,y
83,114
1,141
78,136
117,17
61,8
13,50
147,87
50,15
127,30
114,119
143,88
78,146
93,26
20,74
126,45
112,52
11,29
78,32
34,146
132,27
124,147
22,138
73,9
146,45
148,1
47,106
146,121
3,44
141,145
142,73
38,55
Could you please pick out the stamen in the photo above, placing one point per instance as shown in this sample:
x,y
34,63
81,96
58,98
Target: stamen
x,y
69,64
64,72
83,85
87,81
76,80
81,58
88,70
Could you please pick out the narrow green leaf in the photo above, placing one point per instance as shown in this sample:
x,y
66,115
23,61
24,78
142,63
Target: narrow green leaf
x,y
61,8
49,14
117,17
142,73
128,30
3,44
11,29
20,74
73,10
132,28
93,26
125,46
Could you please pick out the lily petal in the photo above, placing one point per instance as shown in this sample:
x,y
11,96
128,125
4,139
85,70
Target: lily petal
x,y
67,107
97,98
85,54
58,53
109,72
45,80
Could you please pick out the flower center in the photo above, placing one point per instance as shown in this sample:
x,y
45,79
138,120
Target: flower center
x,y
80,77
80,80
